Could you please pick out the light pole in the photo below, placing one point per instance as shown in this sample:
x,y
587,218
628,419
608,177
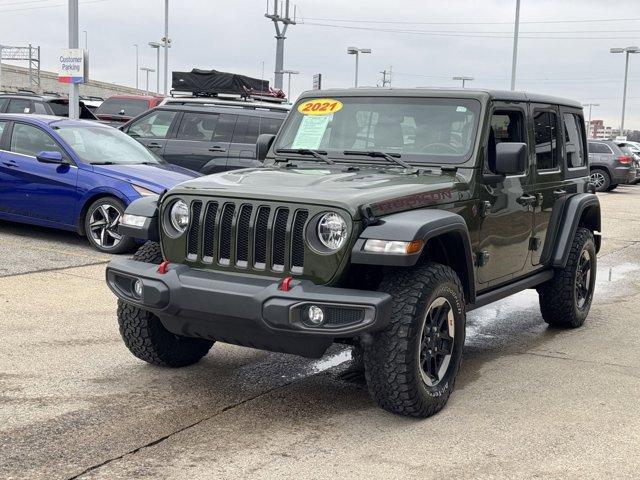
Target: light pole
x,y
626,51
86,40
166,42
74,88
357,51
289,73
147,69
514,59
590,105
464,79
137,69
157,46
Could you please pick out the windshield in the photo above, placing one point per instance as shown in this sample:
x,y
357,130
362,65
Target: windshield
x,y
420,130
128,107
105,145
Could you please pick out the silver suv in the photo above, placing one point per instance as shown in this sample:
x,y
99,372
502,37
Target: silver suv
x,y
610,166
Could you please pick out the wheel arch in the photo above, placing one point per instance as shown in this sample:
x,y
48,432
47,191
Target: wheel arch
x,y
445,236
91,197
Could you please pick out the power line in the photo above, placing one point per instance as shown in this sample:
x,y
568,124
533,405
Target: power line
x,y
11,10
407,22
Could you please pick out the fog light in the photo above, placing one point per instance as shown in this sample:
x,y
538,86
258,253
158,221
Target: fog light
x,y
137,289
316,315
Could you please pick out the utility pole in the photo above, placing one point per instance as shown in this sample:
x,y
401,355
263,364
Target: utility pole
x,y
74,88
386,77
147,70
166,43
277,18
514,60
626,51
590,105
137,69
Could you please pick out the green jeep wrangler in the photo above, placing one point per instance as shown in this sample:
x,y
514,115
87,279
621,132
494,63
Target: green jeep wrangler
x,y
379,219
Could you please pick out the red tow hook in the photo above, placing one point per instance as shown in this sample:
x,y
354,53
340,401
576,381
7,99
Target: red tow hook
x,y
163,267
285,286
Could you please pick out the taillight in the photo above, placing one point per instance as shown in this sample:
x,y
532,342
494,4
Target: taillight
x,y
625,160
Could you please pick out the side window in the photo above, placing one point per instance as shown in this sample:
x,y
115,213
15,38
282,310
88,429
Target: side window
x,y
2,124
154,125
270,125
29,140
3,103
595,147
247,129
39,108
224,128
19,105
197,126
545,125
573,140
506,126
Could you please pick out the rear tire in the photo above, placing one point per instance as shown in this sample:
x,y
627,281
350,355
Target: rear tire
x,y
600,179
565,300
145,336
411,365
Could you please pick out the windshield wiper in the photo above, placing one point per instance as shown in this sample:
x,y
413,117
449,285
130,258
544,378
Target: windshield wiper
x,y
393,158
103,163
319,154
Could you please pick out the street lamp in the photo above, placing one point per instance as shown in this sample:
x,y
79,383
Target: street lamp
x,y
464,79
590,105
289,73
147,69
136,45
357,51
156,45
626,51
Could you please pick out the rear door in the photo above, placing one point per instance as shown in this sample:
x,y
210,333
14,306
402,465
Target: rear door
x,y
40,191
243,143
201,142
153,130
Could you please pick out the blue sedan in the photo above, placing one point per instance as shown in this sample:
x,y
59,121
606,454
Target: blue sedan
x,y
76,175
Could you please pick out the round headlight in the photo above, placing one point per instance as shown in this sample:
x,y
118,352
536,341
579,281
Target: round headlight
x,y
179,216
332,230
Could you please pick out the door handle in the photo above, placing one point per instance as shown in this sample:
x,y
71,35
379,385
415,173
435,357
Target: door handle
x,y
526,200
154,145
216,149
10,163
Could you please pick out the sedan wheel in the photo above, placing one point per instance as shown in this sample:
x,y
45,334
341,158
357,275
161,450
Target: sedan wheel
x,y
101,226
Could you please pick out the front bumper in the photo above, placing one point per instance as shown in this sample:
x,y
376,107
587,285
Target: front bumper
x,y
248,310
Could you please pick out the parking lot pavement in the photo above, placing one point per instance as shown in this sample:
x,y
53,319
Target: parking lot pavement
x,y
530,401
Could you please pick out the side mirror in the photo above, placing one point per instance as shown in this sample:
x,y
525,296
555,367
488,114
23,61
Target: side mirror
x,y
50,157
263,145
511,158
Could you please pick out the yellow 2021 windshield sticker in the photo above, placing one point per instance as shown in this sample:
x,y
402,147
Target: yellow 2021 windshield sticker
x,y
320,106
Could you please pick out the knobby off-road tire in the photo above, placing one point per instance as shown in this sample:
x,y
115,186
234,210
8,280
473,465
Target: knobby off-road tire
x,y
145,336
565,300
394,367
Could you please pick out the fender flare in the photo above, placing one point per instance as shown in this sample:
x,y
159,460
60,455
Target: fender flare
x,y
579,209
421,224
143,207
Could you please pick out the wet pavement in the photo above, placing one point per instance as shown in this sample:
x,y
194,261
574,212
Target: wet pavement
x,y
530,401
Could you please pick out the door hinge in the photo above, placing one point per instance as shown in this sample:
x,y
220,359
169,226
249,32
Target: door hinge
x,y
534,243
485,208
482,258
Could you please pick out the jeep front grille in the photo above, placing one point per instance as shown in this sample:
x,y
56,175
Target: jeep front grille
x,y
247,235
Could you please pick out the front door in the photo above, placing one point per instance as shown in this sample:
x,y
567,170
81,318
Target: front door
x,y
35,190
202,142
153,129
507,203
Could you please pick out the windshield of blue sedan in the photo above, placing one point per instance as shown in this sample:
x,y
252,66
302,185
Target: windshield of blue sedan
x,y
419,130
105,146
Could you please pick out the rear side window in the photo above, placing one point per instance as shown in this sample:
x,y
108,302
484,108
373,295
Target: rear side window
x,y
545,126
129,107
29,140
270,125
39,108
247,129
573,139
154,125
595,147
3,103
19,105
2,124
197,127
224,128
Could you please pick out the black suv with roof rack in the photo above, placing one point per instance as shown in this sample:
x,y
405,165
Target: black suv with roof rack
x,y
380,218
205,138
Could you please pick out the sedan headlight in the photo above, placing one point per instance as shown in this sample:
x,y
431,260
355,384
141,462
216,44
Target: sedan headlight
x,y
332,230
179,216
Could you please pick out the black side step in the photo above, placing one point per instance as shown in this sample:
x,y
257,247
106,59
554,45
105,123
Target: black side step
x,y
507,290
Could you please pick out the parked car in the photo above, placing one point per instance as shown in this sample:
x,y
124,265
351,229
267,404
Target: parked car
x,y
119,109
610,166
76,175
40,104
633,146
91,102
376,239
207,139
635,154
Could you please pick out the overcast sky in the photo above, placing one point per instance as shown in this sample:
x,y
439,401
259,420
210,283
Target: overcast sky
x,y
234,36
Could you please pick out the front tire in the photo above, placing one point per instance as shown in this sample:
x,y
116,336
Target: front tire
x,y
565,300
411,365
101,226
145,336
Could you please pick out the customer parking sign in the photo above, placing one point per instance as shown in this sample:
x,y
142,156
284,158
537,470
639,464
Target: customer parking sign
x,y
72,67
